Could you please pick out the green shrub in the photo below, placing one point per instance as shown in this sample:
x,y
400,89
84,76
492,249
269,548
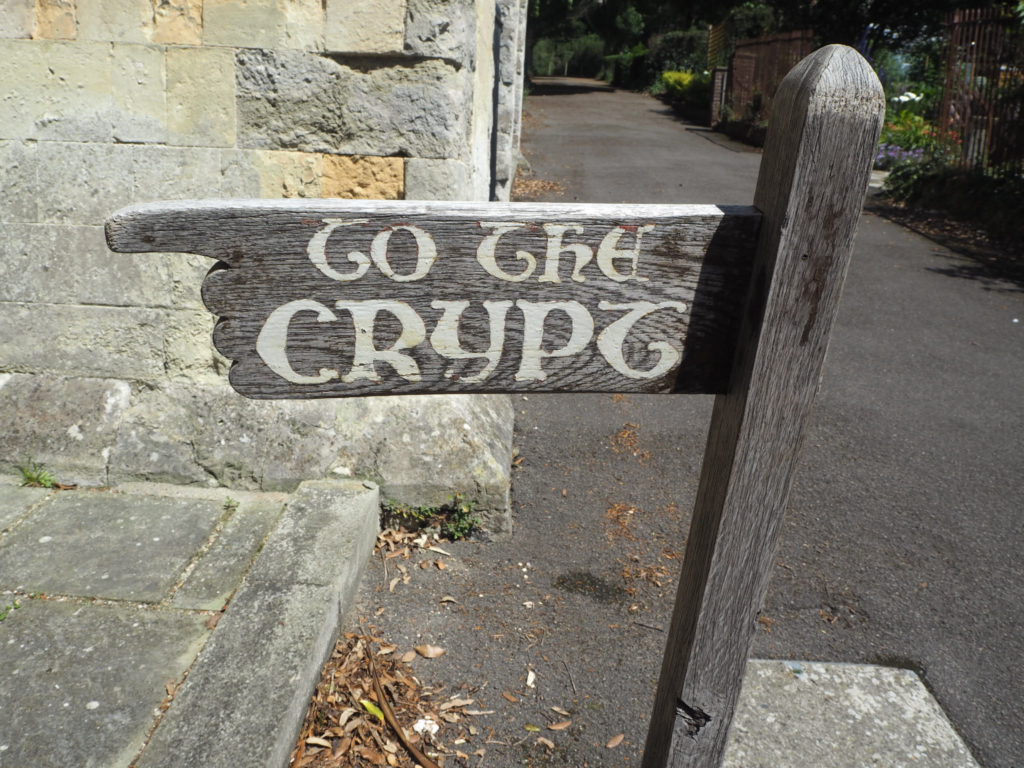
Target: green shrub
x,y
581,56
680,50
687,88
908,137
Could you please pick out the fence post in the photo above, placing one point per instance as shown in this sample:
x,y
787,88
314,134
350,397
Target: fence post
x,y
814,173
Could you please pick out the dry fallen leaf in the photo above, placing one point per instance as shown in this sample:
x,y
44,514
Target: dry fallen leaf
x,y
509,697
448,599
560,726
546,742
560,711
531,677
452,703
408,656
614,741
430,651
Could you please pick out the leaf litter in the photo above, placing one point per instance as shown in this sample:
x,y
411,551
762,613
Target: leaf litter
x,y
364,709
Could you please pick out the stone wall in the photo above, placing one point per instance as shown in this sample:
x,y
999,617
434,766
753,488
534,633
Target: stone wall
x,y
106,368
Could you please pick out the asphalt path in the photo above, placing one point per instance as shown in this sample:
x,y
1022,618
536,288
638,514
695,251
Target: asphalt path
x,y
903,539
905,533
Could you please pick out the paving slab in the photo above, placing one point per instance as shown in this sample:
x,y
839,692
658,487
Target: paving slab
x,y
81,681
247,695
121,547
95,669
795,714
15,503
216,575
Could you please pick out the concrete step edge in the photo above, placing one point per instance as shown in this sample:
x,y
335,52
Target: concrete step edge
x,y
247,693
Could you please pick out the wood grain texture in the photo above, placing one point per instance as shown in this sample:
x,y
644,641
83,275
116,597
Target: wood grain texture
x,y
825,124
336,298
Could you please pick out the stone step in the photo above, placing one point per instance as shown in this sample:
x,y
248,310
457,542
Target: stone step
x,y
110,601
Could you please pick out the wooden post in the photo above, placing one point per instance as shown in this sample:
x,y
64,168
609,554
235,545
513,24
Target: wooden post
x,y
826,119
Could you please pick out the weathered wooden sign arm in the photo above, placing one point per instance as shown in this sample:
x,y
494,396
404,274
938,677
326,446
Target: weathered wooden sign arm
x,y
336,298
333,298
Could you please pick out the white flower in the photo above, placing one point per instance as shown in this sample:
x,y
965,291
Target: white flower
x,y
427,725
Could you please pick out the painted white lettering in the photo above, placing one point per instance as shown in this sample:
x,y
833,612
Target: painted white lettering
x,y
610,340
364,315
534,316
583,253
317,251
426,252
609,251
445,338
485,254
272,341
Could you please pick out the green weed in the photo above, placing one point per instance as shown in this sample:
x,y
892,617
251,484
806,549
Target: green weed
x,y
35,475
455,519
6,610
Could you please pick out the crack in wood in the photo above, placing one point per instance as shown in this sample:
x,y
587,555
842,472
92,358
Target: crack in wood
x,y
694,717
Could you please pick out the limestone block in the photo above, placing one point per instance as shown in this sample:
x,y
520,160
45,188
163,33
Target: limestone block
x,y
188,353
182,274
17,18
303,24
480,146
174,173
106,342
374,26
65,264
18,201
82,183
443,29
421,449
153,445
362,177
138,110
56,20
293,100
67,424
288,174
201,97
296,24
190,433
178,22
62,91
88,92
239,174
125,21
511,22
437,180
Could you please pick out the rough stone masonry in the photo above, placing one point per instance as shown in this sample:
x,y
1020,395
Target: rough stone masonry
x,y
107,373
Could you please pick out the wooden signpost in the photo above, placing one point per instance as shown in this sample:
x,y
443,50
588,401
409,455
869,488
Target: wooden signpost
x,y
334,298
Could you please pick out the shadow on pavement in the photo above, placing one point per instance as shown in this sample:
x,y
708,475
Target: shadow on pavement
x,y
996,269
566,86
